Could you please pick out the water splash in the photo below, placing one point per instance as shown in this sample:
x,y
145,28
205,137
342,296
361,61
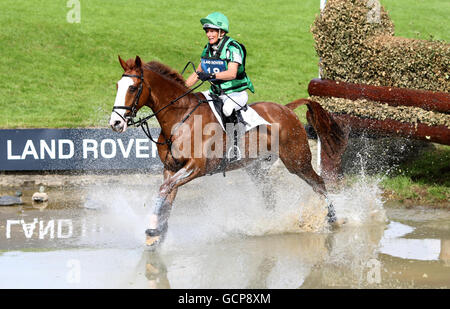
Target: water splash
x,y
360,202
313,214
115,216
213,208
233,207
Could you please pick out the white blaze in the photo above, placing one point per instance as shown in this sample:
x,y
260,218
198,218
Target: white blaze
x,y
122,88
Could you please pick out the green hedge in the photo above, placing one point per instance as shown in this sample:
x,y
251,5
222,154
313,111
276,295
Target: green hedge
x,y
356,44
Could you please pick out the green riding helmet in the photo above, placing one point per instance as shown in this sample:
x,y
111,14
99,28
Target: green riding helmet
x,y
216,20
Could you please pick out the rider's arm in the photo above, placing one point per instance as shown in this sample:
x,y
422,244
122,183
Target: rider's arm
x,y
193,78
234,58
229,74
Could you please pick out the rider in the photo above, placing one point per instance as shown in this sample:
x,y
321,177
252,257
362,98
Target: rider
x,y
223,63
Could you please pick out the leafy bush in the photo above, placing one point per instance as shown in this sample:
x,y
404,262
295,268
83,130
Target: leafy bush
x,y
355,42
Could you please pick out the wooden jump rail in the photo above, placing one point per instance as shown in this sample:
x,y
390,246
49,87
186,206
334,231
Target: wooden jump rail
x,y
434,101
428,100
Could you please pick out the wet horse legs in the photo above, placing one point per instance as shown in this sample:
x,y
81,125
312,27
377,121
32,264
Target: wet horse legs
x,y
316,182
161,210
298,162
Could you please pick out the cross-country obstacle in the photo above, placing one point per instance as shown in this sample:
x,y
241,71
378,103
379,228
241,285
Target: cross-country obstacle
x,y
374,82
426,100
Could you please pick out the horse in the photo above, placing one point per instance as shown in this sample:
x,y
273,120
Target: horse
x,y
163,90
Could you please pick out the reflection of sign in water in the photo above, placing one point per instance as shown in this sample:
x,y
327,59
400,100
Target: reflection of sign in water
x,y
76,149
46,229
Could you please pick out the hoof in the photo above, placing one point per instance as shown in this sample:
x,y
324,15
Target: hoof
x,y
152,241
337,223
153,238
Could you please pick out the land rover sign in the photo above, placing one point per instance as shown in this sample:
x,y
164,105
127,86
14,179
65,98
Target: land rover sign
x,y
76,149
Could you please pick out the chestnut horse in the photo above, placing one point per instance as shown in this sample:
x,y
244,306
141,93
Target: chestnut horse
x,y
163,90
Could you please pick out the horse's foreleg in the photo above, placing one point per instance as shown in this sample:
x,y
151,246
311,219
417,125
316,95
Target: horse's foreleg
x,y
167,192
161,211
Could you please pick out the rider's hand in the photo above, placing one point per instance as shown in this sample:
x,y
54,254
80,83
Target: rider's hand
x,y
203,76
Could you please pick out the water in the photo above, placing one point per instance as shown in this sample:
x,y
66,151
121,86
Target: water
x,y
222,236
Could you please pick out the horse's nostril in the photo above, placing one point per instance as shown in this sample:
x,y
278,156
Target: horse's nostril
x,y
117,123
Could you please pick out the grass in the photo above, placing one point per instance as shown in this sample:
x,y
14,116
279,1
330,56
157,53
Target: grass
x,y
422,181
420,19
56,74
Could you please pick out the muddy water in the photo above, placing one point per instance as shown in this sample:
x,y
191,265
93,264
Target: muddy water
x,y
220,236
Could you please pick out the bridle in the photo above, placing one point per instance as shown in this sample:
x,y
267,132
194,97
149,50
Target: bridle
x,y
143,122
133,108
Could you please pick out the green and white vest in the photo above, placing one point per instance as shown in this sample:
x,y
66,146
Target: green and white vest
x,y
219,62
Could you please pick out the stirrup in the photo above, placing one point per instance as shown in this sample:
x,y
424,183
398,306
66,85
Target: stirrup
x,y
235,156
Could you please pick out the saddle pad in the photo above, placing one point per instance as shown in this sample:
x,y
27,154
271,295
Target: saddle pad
x,y
250,116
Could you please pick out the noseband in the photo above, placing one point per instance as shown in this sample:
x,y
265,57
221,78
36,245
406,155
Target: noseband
x,y
133,108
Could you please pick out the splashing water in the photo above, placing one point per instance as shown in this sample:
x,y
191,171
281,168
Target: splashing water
x,y
213,208
313,214
360,203
239,210
116,216
233,207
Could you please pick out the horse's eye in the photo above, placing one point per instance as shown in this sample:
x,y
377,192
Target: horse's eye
x,y
132,88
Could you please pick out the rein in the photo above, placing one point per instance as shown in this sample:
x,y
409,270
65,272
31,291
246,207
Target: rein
x,y
143,122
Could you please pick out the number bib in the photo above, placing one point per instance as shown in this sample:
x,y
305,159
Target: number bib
x,y
213,65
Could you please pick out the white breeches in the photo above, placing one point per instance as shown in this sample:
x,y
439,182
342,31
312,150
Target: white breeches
x,y
233,101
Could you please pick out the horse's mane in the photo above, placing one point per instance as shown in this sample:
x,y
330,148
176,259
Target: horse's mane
x,y
166,71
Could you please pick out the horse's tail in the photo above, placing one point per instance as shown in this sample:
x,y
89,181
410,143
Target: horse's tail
x,y
333,135
294,104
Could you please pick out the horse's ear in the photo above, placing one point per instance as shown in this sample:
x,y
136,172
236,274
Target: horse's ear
x,y
138,62
123,64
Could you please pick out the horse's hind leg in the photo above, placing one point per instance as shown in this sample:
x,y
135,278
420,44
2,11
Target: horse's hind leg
x,y
308,174
297,159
